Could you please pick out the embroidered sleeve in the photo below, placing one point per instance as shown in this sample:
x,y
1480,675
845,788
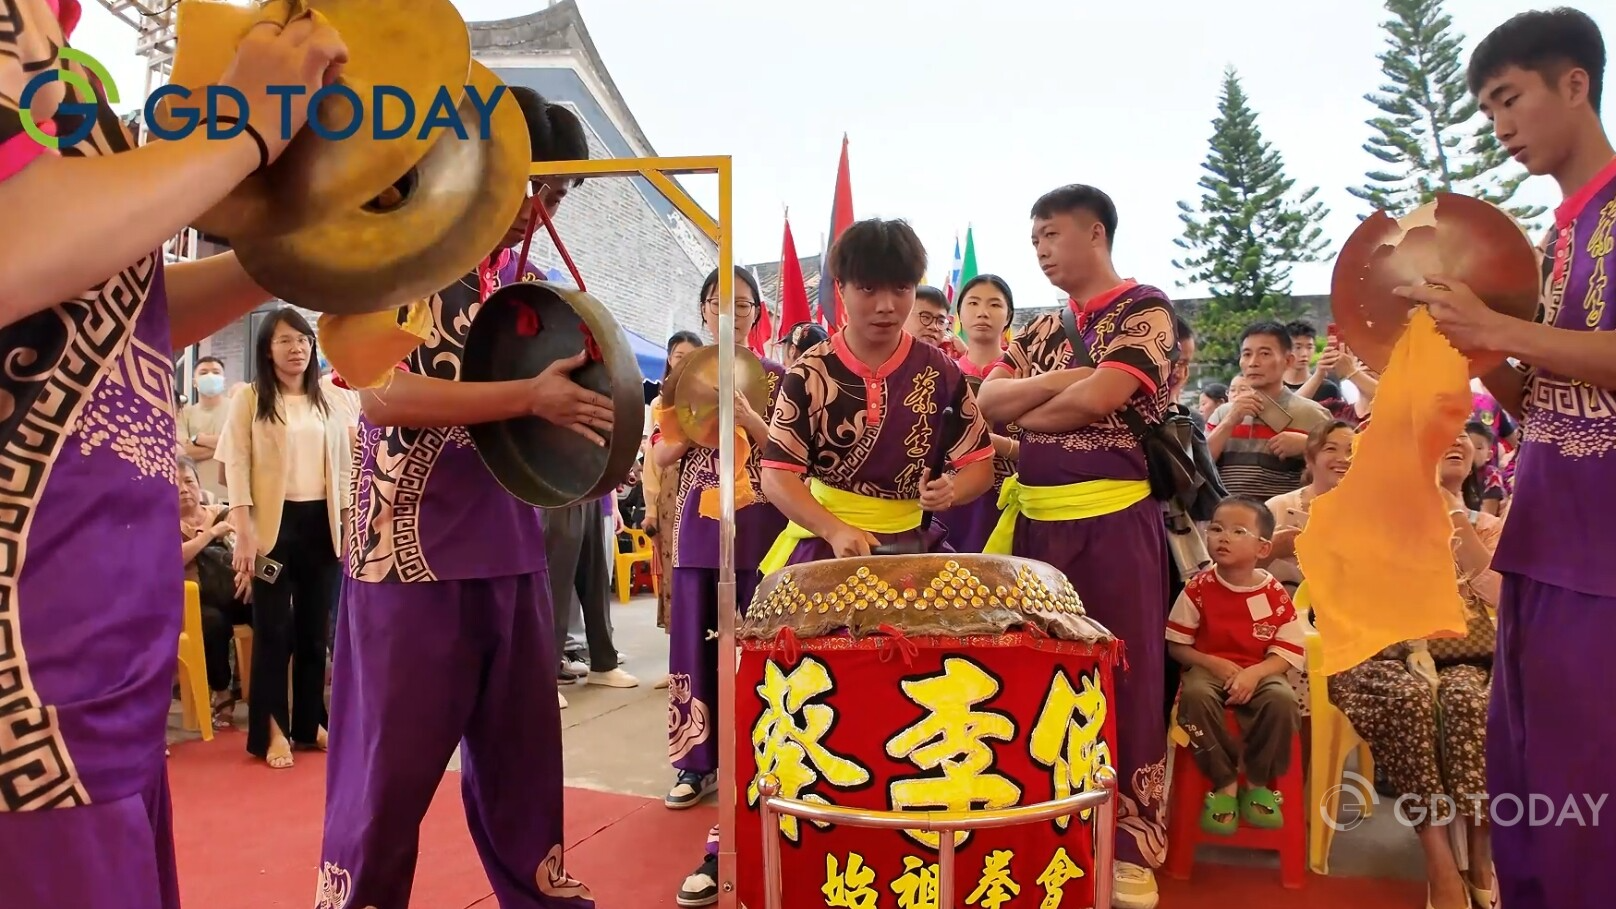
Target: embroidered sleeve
x,y
1143,344
1184,621
1015,360
972,440
791,433
1290,641
29,37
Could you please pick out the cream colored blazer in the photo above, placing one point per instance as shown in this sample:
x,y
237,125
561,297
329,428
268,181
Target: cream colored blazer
x,y
253,452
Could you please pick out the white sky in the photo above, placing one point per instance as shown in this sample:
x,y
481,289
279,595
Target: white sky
x,y
962,115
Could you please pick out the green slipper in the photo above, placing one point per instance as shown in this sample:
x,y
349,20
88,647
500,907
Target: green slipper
x,y
1220,816
1259,806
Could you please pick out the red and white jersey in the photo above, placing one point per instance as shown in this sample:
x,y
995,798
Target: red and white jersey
x,y
1244,625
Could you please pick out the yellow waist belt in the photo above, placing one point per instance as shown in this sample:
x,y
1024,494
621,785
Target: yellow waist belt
x,y
1071,502
867,513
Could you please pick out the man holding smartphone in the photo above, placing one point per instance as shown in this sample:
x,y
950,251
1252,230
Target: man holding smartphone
x,y
1258,437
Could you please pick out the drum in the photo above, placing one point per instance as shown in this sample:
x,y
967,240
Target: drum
x,y
940,682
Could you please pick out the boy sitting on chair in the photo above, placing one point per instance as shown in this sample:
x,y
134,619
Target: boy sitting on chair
x,y
1235,631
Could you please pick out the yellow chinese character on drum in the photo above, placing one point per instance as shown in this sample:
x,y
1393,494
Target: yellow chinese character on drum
x,y
786,738
1060,869
995,888
849,889
1066,738
917,887
952,736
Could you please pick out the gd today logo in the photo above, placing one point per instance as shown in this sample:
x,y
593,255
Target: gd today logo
x,y
84,110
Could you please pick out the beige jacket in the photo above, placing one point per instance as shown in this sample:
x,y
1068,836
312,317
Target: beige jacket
x,y
255,466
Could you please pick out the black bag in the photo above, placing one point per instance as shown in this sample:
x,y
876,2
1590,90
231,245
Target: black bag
x,y
1180,467
215,575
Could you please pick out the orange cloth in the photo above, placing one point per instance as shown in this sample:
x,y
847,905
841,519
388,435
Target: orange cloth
x,y
1378,549
668,424
365,349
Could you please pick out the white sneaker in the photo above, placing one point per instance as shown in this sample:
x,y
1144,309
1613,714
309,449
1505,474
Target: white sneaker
x,y
575,667
616,678
662,682
563,700
1133,887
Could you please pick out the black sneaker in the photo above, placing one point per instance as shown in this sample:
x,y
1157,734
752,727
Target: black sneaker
x,y
701,887
690,789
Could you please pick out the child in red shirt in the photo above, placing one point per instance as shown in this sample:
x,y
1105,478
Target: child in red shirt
x,y
1236,632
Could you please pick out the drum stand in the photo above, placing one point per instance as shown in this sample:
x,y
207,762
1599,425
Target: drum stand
x,y
659,172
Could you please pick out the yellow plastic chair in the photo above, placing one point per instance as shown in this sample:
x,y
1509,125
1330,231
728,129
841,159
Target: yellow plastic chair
x,y
242,635
195,704
1334,740
627,560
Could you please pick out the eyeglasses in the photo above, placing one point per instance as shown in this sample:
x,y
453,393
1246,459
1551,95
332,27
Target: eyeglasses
x,y
1239,533
742,307
285,341
932,319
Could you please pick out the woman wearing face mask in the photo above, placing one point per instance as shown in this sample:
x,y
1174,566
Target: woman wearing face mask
x,y
287,459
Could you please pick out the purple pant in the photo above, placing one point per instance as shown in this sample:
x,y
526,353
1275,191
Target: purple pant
x,y
693,664
1118,564
420,668
1551,659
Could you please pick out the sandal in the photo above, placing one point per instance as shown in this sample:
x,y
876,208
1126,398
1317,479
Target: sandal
x,y
1259,806
1219,816
224,712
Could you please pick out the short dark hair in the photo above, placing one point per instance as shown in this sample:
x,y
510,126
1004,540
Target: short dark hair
x,y
1546,42
1259,510
1079,197
806,335
996,281
932,295
1300,329
1217,391
1270,328
554,132
1478,428
878,253
201,360
745,276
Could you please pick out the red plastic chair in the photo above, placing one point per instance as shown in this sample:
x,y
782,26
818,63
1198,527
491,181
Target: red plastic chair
x,y
1188,797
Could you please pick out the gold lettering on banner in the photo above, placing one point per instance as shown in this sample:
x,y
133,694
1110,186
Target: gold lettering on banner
x,y
1600,246
787,739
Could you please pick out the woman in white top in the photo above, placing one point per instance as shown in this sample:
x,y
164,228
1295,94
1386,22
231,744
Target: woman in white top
x,y
287,462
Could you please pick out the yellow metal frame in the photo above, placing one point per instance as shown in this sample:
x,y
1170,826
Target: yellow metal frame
x,y
659,173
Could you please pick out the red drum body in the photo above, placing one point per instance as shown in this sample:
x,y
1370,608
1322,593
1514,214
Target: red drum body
x,y
927,683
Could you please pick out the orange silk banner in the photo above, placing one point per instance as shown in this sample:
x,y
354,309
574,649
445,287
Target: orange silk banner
x,y
663,416
1378,552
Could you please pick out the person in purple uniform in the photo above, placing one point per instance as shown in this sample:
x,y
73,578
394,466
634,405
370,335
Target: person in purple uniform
x,y
869,423
692,649
1538,77
90,590
1081,500
445,633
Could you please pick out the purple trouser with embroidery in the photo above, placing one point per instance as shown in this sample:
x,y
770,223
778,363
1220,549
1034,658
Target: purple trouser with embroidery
x,y
693,664
418,669
1117,563
1547,744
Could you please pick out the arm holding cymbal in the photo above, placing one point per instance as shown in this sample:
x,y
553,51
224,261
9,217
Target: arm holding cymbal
x,y
208,294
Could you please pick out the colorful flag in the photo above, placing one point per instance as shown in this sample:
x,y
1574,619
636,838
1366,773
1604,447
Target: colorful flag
x,y
966,271
953,272
762,326
841,218
793,290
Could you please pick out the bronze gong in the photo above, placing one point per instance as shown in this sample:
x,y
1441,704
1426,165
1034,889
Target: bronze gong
x,y
694,391
520,330
1458,236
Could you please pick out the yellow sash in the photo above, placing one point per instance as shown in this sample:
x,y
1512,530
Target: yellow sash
x,y
1071,502
867,513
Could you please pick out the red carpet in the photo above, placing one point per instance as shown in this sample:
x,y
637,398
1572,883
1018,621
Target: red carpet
x,y
249,838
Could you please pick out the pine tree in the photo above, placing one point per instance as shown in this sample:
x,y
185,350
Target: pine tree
x,y
1429,135
1247,231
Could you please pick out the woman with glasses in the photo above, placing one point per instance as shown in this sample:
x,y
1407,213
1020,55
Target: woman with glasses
x,y
287,461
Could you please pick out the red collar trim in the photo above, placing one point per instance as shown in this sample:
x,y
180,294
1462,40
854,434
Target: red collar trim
x,y
844,353
1567,210
1101,300
970,368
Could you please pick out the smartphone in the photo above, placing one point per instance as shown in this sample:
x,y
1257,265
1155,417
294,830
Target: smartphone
x,y
1333,333
266,570
1272,415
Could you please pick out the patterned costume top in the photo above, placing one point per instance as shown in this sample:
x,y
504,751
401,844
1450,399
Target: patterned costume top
x,y
1564,509
1130,328
426,508
90,577
873,431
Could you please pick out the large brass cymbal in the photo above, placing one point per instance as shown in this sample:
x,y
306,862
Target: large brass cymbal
x,y
456,205
695,391
1453,235
419,46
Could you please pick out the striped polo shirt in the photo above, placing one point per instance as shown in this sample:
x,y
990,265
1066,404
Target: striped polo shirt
x,y
1247,467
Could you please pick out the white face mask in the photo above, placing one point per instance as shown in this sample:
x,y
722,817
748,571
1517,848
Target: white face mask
x,y
210,384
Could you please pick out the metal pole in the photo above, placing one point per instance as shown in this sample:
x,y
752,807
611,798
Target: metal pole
x,y
726,542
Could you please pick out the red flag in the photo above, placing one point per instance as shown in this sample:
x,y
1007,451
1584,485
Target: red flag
x,y
793,290
762,330
841,218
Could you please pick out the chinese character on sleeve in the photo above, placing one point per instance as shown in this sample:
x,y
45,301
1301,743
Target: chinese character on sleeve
x,y
786,738
1060,869
1066,737
850,889
995,888
917,887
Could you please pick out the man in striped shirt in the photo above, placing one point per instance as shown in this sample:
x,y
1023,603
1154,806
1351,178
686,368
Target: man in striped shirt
x,y
1258,437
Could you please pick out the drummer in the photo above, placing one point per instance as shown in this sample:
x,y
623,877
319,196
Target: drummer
x,y
1082,500
867,425
444,636
89,318
985,309
692,645
1538,77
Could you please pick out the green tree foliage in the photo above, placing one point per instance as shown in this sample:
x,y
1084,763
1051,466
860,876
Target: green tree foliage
x,y
1249,228
1429,136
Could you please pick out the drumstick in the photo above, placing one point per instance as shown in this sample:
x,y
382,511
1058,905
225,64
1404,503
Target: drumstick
x,y
939,462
